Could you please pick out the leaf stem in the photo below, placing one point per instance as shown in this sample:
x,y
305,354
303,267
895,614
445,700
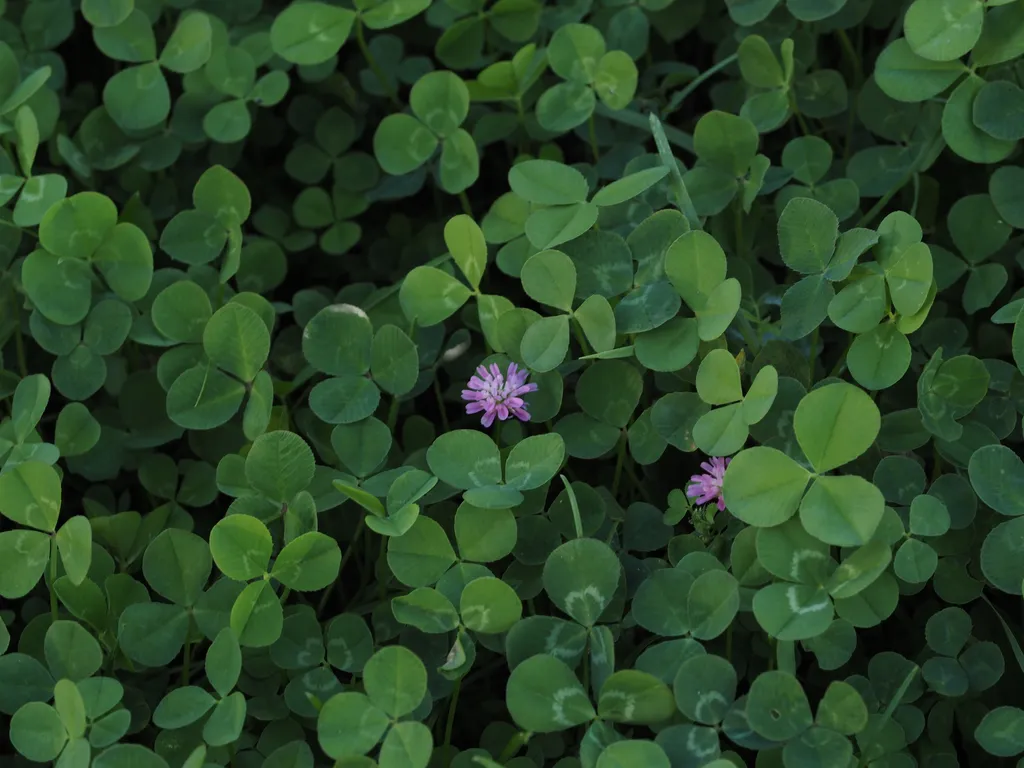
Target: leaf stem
x,y
620,459
580,337
631,117
748,333
186,661
19,341
1014,645
680,96
374,66
887,714
631,472
796,113
522,139
514,745
911,172
440,402
936,463
738,227
841,362
449,725
592,132
812,356
858,76
393,414
682,195
382,587
54,554
344,559
464,202
576,521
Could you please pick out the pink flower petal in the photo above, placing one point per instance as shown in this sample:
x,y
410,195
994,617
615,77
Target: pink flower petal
x,y
497,394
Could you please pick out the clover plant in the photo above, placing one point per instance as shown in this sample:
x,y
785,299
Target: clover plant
x,y
457,383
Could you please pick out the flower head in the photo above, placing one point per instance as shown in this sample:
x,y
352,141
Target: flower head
x,y
496,395
708,487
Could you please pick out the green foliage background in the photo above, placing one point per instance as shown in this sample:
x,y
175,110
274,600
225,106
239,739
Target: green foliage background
x,y
252,250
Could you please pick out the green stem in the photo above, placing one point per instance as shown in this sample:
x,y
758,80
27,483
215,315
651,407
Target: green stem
x,y
497,433
374,66
694,84
19,341
813,354
54,554
393,414
628,469
848,141
440,402
914,170
682,195
343,86
620,459
186,661
738,226
450,723
514,745
611,533
344,559
578,333
592,131
749,335
635,119
464,202
382,586
877,726
521,137
799,117
635,653
574,505
841,362
858,76
631,472
851,56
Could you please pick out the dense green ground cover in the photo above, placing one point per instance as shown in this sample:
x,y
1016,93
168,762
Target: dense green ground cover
x,y
357,355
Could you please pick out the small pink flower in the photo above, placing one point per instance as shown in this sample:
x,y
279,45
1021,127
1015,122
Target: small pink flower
x,y
498,395
708,487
